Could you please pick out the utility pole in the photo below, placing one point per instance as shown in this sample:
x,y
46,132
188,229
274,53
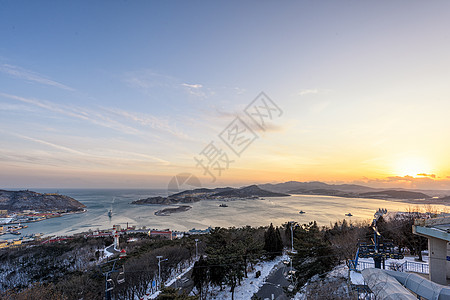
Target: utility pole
x,y
196,249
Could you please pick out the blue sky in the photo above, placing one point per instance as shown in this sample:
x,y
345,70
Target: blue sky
x,y
126,93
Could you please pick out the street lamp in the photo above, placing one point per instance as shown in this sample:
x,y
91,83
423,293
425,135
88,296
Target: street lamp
x,y
177,278
292,236
196,249
292,247
159,268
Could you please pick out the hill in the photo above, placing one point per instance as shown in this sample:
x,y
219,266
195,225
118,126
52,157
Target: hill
x,y
23,200
296,186
195,195
249,191
396,194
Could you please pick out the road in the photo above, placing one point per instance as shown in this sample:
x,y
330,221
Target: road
x,y
273,287
185,283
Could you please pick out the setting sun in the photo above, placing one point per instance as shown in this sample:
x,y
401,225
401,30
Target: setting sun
x,y
412,166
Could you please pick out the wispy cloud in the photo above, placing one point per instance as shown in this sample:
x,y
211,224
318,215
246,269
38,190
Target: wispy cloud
x,y
149,81
430,181
197,90
58,147
25,74
193,86
93,157
76,112
107,117
147,120
427,175
308,91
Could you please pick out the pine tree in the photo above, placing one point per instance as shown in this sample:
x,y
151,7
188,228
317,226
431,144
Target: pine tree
x,y
273,244
200,275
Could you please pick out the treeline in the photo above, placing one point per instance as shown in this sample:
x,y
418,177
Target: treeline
x,y
68,269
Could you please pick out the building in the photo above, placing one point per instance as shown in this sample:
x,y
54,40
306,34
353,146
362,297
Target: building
x,y
199,231
437,231
165,234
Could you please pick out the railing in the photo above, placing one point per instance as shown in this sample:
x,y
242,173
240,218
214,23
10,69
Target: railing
x,y
407,266
416,267
364,265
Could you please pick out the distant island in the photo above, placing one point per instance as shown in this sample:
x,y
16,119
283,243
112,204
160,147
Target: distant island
x,y
227,193
171,210
19,201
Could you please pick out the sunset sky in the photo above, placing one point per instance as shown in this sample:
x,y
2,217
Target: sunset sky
x,y
126,93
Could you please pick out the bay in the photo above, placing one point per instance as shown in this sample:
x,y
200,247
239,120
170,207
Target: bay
x,y
253,212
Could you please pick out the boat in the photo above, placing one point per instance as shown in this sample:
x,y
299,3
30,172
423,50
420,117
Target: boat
x,y
110,213
15,232
349,215
301,212
223,205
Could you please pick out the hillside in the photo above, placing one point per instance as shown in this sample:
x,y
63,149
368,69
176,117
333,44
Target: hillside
x,y
22,200
396,194
300,187
324,192
190,196
249,191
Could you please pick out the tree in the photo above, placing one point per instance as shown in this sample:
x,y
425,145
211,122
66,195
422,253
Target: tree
x,y
228,255
169,293
344,239
273,244
314,252
200,276
399,229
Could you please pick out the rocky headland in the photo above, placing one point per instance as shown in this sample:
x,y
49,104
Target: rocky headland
x,y
17,201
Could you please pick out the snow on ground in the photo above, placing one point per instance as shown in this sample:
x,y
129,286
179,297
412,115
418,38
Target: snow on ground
x,y
356,278
338,273
249,285
106,254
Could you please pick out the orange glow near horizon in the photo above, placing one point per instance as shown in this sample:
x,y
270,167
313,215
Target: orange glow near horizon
x,y
413,166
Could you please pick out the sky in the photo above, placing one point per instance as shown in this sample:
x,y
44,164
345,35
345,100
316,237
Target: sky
x,y
131,94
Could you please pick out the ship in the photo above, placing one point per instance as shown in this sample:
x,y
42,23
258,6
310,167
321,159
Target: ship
x,y
223,205
110,213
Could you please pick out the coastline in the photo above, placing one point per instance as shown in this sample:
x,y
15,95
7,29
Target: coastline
x,y
58,215
429,201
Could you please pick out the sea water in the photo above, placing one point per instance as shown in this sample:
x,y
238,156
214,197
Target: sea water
x,y
253,212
